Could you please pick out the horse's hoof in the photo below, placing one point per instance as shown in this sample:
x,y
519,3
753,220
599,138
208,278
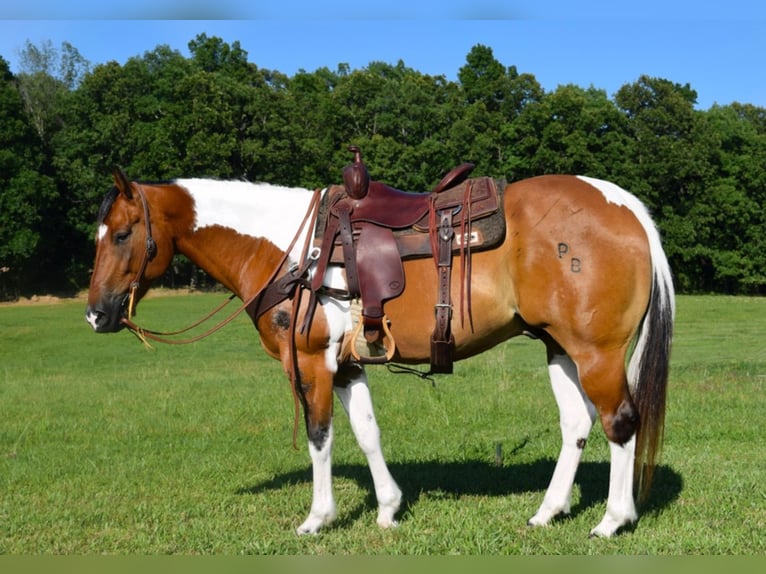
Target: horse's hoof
x,y
387,523
313,524
307,530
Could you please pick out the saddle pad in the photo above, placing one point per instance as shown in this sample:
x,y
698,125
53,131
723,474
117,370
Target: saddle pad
x,y
484,201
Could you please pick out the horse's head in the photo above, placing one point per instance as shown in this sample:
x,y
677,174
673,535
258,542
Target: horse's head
x,y
130,253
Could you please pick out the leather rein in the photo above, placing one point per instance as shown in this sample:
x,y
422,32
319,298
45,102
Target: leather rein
x,y
271,293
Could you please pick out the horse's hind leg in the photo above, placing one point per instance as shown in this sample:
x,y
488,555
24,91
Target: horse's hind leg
x,y
604,380
354,394
577,414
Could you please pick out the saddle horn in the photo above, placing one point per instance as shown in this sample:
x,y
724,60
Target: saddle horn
x,y
356,178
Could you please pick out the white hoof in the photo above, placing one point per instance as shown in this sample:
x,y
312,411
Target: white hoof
x,y
314,523
547,513
387,522
388,509
610,524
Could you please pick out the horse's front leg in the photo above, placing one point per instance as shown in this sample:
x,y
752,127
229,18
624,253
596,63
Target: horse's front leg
x,y
317,392
354,394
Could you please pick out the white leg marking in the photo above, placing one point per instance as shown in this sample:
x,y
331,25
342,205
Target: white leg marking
x,y
338,314
323,504
357,402
620,508
577,414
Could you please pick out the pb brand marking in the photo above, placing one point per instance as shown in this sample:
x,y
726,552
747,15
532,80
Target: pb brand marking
x,y
575,264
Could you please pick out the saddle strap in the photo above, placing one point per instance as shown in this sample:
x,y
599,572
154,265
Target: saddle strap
x,y
346,232
442,340
325,250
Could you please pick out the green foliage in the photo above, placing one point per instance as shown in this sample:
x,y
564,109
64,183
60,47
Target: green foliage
x,y
108,448
27,194
215,114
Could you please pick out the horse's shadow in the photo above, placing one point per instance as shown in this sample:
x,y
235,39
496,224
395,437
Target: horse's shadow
x,y
478,477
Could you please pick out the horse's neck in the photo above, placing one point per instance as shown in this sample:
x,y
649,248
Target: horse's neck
x,y
241,231
241,263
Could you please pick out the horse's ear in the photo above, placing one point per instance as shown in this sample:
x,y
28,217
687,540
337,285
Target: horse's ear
x,y
121,182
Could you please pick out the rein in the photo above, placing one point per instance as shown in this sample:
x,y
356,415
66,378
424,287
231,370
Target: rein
x,y
151,251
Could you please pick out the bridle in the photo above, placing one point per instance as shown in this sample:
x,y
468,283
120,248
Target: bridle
x,y
150,252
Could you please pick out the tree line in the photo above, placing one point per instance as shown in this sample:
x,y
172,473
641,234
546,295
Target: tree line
x,y
161,115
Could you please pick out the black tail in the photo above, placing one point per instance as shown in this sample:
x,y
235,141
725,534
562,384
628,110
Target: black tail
x,y
648,373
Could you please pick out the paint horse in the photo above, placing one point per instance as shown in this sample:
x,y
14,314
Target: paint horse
x,y
581,268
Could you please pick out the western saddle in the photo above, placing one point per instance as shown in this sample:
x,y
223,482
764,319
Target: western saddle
x,y
370,228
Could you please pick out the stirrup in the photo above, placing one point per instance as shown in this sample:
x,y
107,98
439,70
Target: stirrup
x,y
377,353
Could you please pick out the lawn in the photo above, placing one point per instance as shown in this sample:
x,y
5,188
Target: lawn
x,y
109,448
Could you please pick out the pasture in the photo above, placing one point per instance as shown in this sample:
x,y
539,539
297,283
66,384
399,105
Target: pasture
x,y
109,448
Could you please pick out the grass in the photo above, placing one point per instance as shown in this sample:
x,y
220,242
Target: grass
x,y
107,448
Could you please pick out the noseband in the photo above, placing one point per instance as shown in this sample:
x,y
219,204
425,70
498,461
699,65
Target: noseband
x,y
150,252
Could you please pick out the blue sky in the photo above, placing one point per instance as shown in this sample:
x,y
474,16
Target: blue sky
x,y
718,48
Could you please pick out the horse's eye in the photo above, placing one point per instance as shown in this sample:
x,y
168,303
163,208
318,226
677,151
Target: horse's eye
x,y
121,237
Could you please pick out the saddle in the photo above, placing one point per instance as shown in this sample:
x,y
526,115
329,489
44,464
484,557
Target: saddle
x,y
371,228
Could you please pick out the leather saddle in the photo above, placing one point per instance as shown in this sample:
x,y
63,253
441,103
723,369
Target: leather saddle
x,y
370,228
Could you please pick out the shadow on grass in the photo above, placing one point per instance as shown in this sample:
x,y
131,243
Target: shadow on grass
x,y
475,477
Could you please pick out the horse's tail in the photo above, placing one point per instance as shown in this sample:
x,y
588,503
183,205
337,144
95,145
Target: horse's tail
x,y
649,365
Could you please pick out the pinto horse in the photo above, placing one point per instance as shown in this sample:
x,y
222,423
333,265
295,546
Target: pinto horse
x,y
581,268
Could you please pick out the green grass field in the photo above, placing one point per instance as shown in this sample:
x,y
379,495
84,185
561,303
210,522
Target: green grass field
x,y
109,448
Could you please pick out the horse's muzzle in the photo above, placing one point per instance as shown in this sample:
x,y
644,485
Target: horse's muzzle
x,y
107,318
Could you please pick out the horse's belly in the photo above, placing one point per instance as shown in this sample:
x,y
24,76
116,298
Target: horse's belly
x,y
479,322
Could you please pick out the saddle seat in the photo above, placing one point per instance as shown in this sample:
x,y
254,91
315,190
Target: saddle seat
x,y
396,209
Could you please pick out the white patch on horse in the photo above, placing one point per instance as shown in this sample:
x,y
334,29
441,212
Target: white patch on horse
x,y
338,314
92,319
255,209
102,231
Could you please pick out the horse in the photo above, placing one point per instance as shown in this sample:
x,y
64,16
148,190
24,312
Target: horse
x,y
581,268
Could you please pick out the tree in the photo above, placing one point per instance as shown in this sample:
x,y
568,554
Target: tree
x,y
670,163
572,130
27,196
735,243
162,115
47,74
213,55
494,98
483,78
401,120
